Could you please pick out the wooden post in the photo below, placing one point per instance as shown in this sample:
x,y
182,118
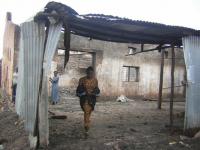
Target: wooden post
x,y
185,80
43,120
43,112
161,79
142,47
172,86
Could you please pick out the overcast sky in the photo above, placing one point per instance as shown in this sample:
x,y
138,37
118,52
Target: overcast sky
x,y
173,12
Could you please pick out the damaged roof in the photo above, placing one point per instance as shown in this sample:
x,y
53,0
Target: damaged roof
x,y
116,29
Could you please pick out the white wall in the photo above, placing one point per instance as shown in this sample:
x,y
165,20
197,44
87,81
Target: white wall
x,y
110,58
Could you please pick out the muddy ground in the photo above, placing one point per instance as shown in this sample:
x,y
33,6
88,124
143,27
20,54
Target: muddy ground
x,y
134,125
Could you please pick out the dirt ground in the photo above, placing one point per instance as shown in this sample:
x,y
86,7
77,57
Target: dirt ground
x,y
12,134
134,125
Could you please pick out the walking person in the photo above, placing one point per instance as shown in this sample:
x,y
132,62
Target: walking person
x,y
87,90
54,89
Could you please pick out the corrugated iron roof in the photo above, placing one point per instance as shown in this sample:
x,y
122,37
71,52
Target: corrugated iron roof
x,y
116,29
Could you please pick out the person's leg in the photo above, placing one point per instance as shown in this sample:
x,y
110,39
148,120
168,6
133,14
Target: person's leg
x,y
87,114
54,94
14,93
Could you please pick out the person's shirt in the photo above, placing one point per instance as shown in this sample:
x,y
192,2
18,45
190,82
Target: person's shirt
x,y
88,84
15,77
55,80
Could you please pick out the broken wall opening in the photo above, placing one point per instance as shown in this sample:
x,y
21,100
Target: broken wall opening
x,y
75,69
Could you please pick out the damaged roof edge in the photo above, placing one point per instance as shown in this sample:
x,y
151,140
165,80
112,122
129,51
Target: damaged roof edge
x,y
116,29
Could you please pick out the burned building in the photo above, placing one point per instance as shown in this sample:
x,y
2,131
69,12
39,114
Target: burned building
x,y
117,70
124,53
10,54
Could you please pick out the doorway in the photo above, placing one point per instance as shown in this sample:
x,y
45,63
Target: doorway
x,y
76,67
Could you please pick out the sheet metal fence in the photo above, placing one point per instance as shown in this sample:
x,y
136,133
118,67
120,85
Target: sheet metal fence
x,y
191,48
34,65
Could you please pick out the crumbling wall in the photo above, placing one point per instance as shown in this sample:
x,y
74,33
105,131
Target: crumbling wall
x,y
10,54
110,58
16,47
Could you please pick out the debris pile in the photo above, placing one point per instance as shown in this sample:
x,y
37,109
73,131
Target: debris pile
x,y
123,99
64,91
57,115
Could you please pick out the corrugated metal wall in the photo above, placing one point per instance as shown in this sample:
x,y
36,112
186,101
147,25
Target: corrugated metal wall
x,y
191,47
33,41
52,41
51,45
31,58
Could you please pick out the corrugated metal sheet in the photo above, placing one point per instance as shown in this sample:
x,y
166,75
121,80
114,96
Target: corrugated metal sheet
x,y
31,57
116,29
191,47
52,41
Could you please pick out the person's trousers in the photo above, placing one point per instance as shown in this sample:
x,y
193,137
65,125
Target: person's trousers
x,y
87,114
14,91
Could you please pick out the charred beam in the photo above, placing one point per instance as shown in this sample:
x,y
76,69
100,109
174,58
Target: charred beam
x,y
66,43
149,50
142,47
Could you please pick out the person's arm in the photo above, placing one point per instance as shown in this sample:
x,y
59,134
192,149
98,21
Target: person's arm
x,y
80,91
50,79
96,90
55,80
97,83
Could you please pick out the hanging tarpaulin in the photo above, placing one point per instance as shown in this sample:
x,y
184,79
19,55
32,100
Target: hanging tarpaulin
x,y
191,47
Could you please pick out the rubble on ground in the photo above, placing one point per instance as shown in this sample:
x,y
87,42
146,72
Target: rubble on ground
x,y
123,99
197,135
64,91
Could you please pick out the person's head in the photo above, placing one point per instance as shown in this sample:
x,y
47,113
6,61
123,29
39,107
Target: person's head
x,y
90,72
55,73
